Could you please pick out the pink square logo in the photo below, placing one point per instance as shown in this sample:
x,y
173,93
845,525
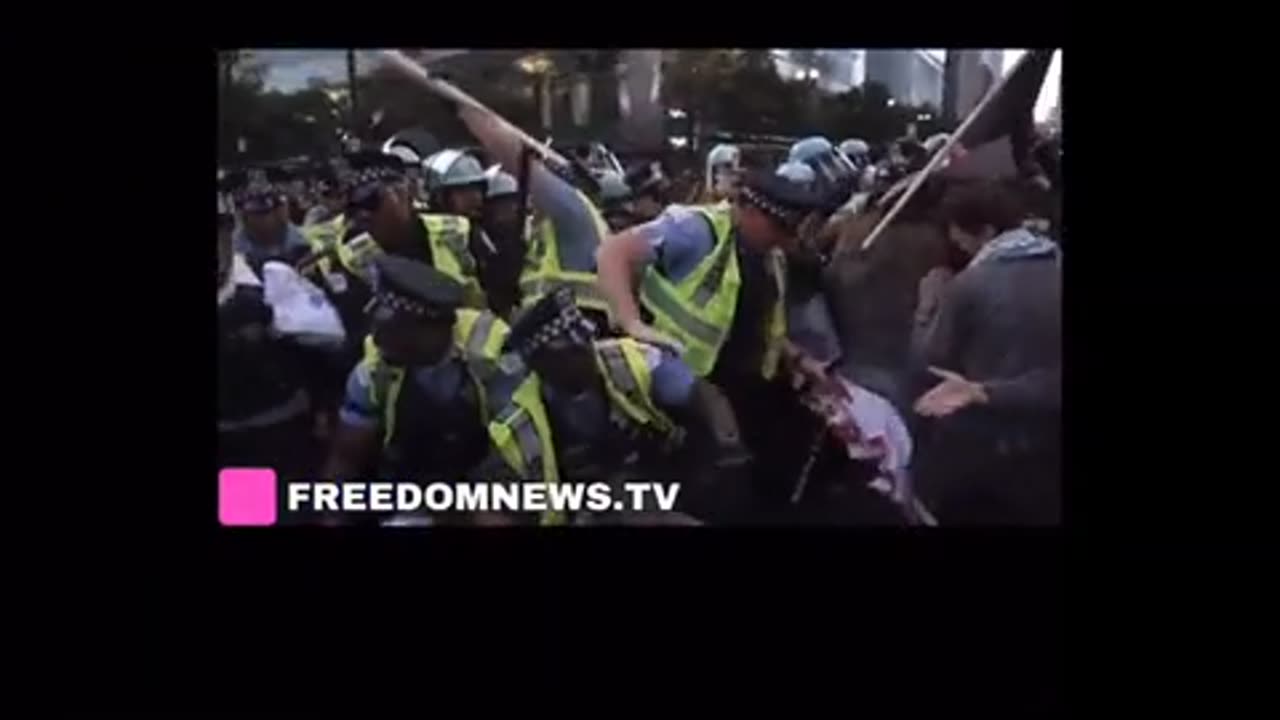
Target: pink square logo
x,y
247,496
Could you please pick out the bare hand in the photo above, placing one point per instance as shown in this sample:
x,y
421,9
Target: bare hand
x,y
647,334
952,394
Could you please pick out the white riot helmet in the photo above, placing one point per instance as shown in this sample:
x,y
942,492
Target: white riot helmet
x,y
402,150
501,184
722,158
453,168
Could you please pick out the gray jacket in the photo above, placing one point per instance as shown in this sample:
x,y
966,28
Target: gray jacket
x,y
1000,323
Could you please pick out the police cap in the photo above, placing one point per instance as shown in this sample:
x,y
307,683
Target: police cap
x,y
256,189
405,287
779,197
555,317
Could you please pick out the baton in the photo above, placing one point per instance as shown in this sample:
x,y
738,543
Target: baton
x,y
399,62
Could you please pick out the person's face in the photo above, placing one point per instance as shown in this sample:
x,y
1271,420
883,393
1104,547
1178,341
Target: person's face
x,y
392,211
725,179
759,231
566,367
266,228
465,201
410,341
967,241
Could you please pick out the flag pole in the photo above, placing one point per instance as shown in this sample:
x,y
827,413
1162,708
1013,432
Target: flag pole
x,y
942,153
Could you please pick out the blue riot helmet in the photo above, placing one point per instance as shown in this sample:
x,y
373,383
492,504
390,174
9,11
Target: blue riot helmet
x,y
797,172
858,152
836,176
809,147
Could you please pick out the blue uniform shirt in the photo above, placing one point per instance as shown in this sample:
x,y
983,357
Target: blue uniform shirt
x,y
678,240
577,234
585,419
440,383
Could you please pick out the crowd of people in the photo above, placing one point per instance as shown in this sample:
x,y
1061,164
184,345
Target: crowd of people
x,y
500,313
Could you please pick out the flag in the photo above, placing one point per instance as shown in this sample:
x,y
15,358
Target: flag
x,y
997,140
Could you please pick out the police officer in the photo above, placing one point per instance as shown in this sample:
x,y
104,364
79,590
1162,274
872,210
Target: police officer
x,y
379,202
417,404
613,408
263,406
836,177
264,231
567,227
714,280
456,183
413,170
504,224
724,164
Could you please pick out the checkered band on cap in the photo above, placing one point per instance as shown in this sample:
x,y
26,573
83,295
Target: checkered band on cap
x,y
370,175
567,323
784,215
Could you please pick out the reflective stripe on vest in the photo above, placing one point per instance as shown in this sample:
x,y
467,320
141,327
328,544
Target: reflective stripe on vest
x,y
357,254
629,382
477,337
544,268
585,289
449,236
698,311
326,234
522,435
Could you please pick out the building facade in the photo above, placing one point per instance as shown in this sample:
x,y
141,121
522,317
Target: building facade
x,y
913,77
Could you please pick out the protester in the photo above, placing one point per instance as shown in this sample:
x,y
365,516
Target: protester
x,y
994,342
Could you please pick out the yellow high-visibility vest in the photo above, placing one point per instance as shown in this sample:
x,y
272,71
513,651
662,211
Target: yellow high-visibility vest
x,y
324,235
448,236
698,311
478,336
522,432
543,272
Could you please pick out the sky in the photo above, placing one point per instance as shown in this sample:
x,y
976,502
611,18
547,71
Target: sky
x,y
290,70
